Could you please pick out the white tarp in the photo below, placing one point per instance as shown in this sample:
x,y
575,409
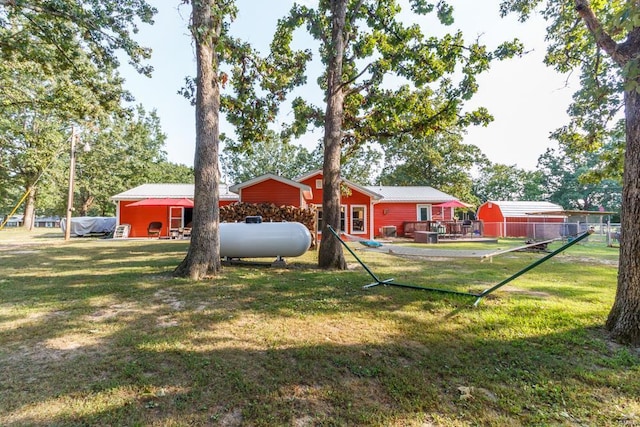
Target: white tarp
x,y
83,225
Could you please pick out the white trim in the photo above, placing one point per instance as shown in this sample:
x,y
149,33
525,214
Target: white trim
x,y
171,217
372,220
343,209
428,206
364,218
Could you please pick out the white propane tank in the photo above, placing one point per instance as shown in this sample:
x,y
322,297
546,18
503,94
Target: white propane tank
x,y
265,239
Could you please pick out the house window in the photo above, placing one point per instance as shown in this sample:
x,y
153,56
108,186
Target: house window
x,y
318,184
320,222
358,217
424,212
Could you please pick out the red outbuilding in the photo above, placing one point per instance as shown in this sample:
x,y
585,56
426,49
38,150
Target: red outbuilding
x,y
521,219
163,207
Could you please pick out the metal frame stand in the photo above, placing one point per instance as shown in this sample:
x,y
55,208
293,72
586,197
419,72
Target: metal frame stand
x,y
481,295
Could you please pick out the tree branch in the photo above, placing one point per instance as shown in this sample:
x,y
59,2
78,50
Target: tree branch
x,y
350,20
348,82
603,39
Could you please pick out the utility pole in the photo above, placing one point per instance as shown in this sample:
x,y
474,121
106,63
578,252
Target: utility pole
x,y
72,173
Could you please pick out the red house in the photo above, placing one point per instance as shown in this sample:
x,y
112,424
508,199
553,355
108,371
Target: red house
x,y
521,219
356,216
405,204
366,211
270,188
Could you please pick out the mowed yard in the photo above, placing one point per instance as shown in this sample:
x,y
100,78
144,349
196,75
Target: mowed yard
x,y
98,332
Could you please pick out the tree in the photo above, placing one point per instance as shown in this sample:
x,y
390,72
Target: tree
x,y
256,87
57,62
203,256
442,161
124,151
363,46
269,156
33,138
101,27
566,180
507,182
605,48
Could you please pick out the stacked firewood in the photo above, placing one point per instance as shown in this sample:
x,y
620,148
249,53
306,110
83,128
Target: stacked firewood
x,y
238,212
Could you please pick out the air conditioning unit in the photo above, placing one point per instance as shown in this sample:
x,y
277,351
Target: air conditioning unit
x,y
389,231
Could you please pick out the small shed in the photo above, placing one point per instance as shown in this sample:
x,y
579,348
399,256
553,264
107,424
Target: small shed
x,y
517,219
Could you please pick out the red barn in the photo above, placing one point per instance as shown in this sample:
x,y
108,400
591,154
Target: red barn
x,y
515,219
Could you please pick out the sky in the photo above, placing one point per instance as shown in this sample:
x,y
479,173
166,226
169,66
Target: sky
x,y
527,99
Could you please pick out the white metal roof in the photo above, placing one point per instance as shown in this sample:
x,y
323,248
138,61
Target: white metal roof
x,y
150,191
419,194
411,194
525,208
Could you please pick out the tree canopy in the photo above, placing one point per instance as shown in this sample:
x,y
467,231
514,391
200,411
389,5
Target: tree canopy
x,y
363,45
602,40
442,161
58,62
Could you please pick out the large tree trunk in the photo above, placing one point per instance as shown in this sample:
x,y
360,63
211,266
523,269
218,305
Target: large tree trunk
x,y
203,257
29,208
330,254
624,318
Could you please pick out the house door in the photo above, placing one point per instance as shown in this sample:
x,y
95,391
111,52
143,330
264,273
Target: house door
x,y
424,212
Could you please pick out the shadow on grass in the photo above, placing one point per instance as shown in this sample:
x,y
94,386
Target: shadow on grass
x,y
123,342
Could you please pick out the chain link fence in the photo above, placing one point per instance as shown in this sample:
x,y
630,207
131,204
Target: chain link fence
x,y
607,233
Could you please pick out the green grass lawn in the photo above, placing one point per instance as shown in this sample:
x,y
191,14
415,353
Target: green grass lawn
x,y
98,332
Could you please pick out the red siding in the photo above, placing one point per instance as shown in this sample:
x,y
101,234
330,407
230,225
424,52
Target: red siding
x,y
491,215
355,198
317,192
438,213
271,191
396,213
490,212
140,217
496,225
388,214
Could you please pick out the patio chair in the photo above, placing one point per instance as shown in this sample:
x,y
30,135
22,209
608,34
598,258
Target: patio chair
x,y
154,229
186,232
